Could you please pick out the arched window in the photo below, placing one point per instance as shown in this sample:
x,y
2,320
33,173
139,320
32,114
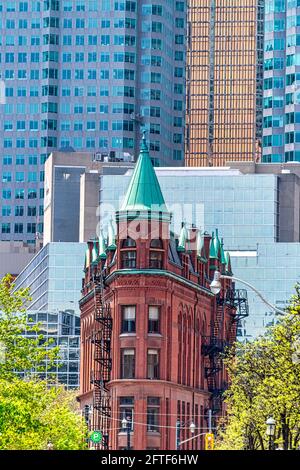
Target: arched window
x,y
128,254
156,254
156,243
128,243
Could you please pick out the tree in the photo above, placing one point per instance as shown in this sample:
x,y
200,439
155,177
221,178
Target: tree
x,y
19,353
265,381
31,415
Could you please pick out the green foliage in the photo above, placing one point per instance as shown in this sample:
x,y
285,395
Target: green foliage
x,y
19,353
32,414
265,381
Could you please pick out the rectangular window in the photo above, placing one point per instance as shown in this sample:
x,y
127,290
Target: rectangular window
x,y
127,363
153,407
153,364
128,319
153,319
126,411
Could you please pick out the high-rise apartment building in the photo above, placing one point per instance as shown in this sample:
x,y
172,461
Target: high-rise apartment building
x,y
281,133
85,74
224,81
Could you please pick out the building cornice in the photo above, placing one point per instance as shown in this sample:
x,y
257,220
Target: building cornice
x,y
157,272
148,272
152,382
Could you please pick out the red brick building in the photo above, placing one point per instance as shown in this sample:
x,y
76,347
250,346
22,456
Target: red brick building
x,y
151,330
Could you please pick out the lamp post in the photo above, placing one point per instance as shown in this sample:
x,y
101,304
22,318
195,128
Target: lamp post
x,y
179,426
216,286
271,423
126,425
50,445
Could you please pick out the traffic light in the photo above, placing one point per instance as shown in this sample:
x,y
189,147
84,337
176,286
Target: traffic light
x,y
209,441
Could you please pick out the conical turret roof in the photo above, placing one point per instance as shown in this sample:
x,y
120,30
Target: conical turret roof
x,y
144,193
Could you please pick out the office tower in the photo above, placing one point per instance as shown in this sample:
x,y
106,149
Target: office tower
x,y
84,75
63,329
281,133
224,81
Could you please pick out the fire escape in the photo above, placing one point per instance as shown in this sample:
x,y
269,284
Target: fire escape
x,y
215,345
101,373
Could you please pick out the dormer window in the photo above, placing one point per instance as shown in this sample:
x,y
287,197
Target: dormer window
x,y
156,254
128,254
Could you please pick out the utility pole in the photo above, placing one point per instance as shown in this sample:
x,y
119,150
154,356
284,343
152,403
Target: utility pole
x,y
209,420
177,443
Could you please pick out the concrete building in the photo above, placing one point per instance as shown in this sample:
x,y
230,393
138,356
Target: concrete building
x,y
281,114
14,256
224,81
86,75
72,184
151,329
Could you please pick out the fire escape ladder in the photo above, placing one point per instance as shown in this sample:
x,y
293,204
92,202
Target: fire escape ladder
x,y
101,373
213,347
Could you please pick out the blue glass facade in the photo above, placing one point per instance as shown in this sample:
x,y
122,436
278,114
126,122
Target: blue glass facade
x,y
86,74
281,115
245,209
63,329
54,277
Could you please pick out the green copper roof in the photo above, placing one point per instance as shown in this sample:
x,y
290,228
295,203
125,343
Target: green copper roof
x,y
223,258
228,263
200,247
87,258
102,246
111,236
183,237
144,193
94,253
213,254
217,243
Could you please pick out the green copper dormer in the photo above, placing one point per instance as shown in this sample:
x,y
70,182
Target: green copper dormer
x,y
228,264
102,246
201,248
217,244
95,253
111,237
144,196
222,256
87,260
183,238
213,254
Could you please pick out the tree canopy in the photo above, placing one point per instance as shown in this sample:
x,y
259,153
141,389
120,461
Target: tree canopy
x,y
265,381
31,412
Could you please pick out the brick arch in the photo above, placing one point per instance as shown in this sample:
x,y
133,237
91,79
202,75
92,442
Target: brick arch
x,y
180,342
189,349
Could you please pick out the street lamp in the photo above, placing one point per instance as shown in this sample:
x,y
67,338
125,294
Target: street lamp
x,y
126,425
271,423
179,426
50,446
216,286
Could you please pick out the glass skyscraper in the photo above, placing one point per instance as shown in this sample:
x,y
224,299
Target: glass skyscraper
x,y
84,75
62,328
281,133
224,81
54,277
